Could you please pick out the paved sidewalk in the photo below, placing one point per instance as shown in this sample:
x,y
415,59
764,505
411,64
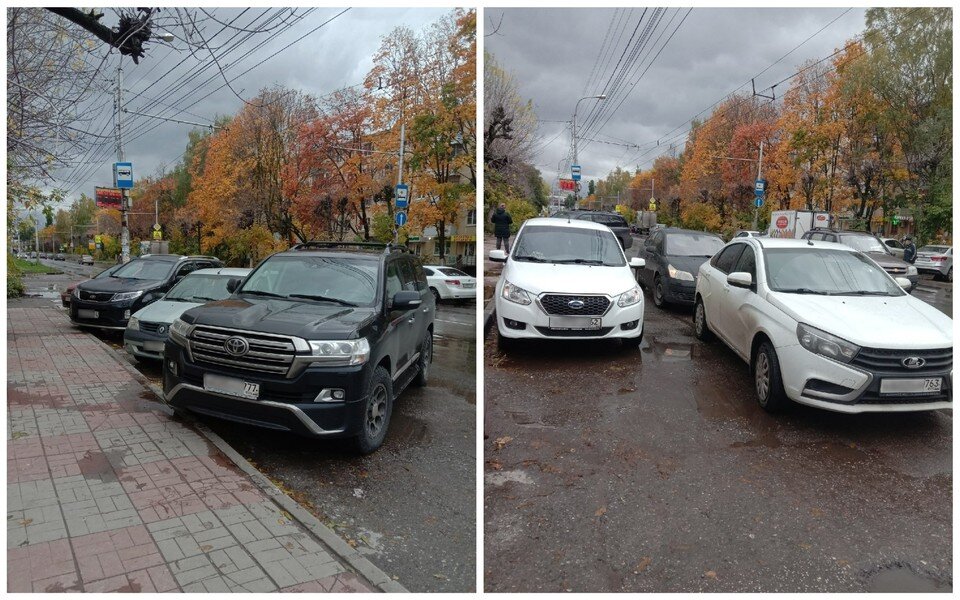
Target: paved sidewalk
x,y
107,492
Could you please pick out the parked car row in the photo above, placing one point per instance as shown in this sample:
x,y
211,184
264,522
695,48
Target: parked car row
x,y
825,320
318,340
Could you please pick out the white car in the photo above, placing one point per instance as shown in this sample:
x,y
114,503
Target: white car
x,y
567,279
822,324
448,283
894,246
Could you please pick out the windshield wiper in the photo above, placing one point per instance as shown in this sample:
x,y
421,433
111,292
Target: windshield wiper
x,y
865,293
803,290
204,298
530,258
580,261
322,298
262,293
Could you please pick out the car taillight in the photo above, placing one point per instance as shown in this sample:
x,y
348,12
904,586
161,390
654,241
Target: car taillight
x,y
452,282
938,258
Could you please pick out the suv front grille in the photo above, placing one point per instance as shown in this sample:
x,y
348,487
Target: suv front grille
x,y
896,270
556,304
149,327
96,296
891,361
267,353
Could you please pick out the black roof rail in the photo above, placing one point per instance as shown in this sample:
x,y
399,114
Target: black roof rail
x,y
387,248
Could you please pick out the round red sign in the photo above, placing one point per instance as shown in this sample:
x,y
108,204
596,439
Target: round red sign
x,y
782,222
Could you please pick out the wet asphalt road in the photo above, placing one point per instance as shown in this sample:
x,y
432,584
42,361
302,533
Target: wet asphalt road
x,y
410,507
652,469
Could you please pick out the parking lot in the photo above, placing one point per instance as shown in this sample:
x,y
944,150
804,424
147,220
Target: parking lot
x,y
652,468
410,506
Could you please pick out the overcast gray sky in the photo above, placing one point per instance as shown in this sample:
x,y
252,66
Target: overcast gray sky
x,y
552,53
337,55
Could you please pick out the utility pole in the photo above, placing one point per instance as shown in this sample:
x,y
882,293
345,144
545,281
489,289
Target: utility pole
x,y
124,207
576,187
756,209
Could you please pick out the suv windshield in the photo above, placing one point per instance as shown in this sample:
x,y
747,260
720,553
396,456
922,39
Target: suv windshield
x,y
153,270
828,272
344,280
691,244
545,243
199,288
863,243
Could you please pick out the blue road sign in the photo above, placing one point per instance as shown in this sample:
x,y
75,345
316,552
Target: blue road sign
x,y
758,202
123,175
401,193
575,172
401,218
759,187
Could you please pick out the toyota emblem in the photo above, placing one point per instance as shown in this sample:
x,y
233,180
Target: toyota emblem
x,y
913,362
236,346
575,304
162,329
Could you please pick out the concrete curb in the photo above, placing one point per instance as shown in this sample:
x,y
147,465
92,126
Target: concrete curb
x,y
342,550
488,312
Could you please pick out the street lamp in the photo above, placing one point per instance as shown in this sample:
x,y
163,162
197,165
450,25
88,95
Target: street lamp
x,y
167,37
576,187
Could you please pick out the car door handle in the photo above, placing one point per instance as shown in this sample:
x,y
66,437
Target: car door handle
x,y
426,309
412,319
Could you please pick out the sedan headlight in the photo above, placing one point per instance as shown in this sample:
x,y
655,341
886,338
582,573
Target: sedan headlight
x,y
911,270
678,274
126,296
821,342
356,352
630,297
515,294
133,324
179,330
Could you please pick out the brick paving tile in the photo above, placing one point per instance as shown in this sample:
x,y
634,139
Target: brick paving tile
x,y
42,567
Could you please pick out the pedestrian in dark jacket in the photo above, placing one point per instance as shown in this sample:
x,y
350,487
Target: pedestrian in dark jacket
x,y
909,250
502,220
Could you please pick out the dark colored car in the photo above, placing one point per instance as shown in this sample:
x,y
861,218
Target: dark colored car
x,y
108,302
68,293
617,224
872,246
673,258
60,256
318,340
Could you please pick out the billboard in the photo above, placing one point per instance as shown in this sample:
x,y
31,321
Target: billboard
x,y
567,185
108,197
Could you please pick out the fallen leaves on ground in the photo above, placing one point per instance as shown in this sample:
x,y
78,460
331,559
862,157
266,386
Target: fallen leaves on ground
x,y
500,442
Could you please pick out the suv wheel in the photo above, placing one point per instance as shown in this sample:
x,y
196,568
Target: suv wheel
x,y
700,327
376,412
658,298
767,381
423,363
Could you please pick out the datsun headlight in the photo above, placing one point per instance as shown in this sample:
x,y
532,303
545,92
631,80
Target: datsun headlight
x,y
911,270
630,297
824,344
515,294
179,330
356,352
126,296
133,324
678,274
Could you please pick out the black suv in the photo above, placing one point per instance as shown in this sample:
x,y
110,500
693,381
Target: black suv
x,y
317,340
872,246
617,224
108,302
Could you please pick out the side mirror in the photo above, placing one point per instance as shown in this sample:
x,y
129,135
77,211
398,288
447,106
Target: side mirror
x,y
233,283
405,300
740,279
498,256
637,263
903,282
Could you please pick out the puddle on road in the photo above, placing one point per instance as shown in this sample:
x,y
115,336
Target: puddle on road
x,y
668,351
408,430
96,465
902,579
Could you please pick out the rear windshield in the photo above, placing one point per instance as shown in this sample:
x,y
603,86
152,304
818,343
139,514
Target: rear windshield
x,y
151,270
692,244
452,272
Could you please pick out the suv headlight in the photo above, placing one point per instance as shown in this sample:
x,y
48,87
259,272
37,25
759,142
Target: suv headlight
x,y
133,324
76,292
126,296
911,270
179,330
515,294
678,274
630,297
356,351
821,342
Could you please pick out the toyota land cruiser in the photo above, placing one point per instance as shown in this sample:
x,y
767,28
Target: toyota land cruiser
x,y
318,340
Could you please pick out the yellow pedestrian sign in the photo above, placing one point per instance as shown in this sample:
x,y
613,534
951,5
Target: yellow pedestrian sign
x,y
157,235
98,239
653,204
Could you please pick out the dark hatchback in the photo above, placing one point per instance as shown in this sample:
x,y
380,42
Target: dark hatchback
x,y
318,340
617,224
673,258
108,302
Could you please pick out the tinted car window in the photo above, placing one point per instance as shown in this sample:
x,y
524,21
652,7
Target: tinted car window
x,y
451,272
429,272
394,284
151,270
407,275
728,258
421,276
747,263
610,220
691,244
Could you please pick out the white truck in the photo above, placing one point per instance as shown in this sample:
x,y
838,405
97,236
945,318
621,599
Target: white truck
x,y
794,223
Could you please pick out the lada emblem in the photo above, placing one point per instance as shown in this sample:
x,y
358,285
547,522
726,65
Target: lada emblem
x,y
236,346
